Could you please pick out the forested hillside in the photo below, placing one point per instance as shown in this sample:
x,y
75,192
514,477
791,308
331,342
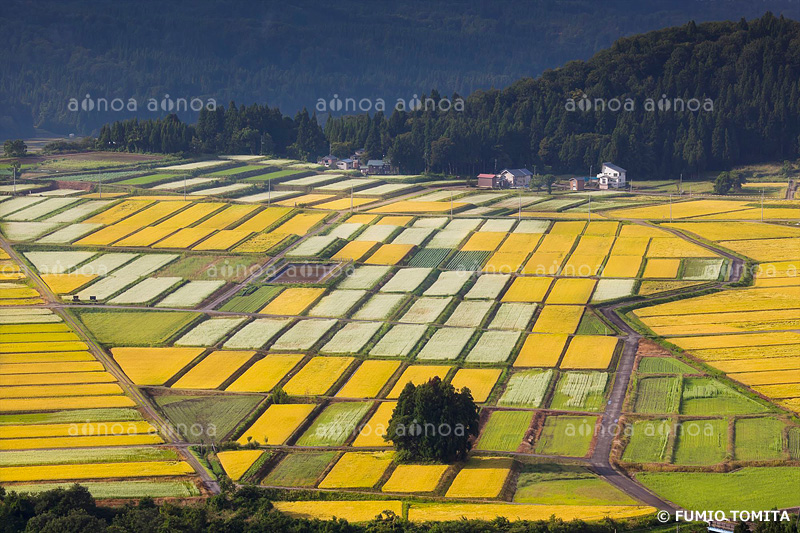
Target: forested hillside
x,y
738,82
290,54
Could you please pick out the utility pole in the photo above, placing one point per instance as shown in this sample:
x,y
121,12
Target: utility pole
x,y
184,187
680,185
14,178
590,209
451,205
269,191
670,207
519,214
351,198
762,204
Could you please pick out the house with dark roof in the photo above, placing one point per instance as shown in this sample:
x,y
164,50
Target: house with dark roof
x,y
347,164
611,176
377,167
516,178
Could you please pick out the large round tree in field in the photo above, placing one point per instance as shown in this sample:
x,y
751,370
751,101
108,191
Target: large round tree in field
x,y
433,422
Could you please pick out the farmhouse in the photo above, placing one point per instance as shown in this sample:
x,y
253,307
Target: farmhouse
x,y
611,176
377,166
347,164
328,160
490,181
516,177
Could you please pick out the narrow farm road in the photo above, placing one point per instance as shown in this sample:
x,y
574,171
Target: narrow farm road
x,y
609,425
162,424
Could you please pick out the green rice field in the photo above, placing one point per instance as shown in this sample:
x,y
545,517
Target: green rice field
x,y
701,442
758,439
566,435
504,430
747,488
335,424
135,328
208,418
299,469
649,442
251,300
658,395
553,484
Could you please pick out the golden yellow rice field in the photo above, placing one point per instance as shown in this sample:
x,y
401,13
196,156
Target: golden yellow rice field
x,y
415,478
480,381
589,352
153,366
766,249
50,367
520,242
184,238
261,242
759,364
486,241
483,511
94,471
371,434
82,441
368,380
357,470
305,200
720,231
66,283
56,378
344,203
352,511
222,240
683,209
527,289
557,243
71,402
391,220
541,350
225,218
264,219
676,247
301,223
731,341
277,423
293,301
406,206
662,268
213,370
728,301
146,236
542,263
317,376
583,265
630,246
622,266
354,250
264,374
785,390
481,477
390,254
571,291
118,212
558,319
33,391
773,377
29,431
237,462
505,262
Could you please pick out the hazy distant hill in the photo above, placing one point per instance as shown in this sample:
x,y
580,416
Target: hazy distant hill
x,y
291,53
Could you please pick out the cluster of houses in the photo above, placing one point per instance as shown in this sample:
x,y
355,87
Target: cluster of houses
x,y
371,168
509,178
611,176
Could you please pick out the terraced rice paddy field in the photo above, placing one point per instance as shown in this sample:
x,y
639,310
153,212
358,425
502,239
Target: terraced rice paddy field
x,y
196,314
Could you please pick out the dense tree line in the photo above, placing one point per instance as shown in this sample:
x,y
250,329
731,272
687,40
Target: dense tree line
x,y
688,99
250,510
290,55
254,129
